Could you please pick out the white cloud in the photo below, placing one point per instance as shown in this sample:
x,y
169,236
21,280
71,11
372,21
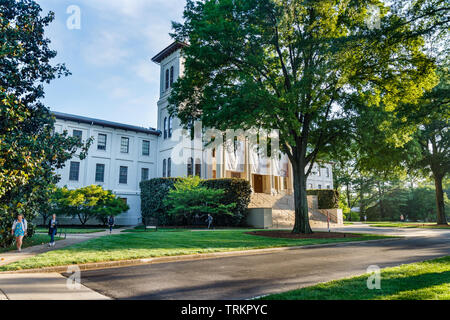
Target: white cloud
x,y
146,71
105,48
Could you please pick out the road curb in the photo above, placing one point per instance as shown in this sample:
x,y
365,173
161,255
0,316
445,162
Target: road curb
x,y
181,258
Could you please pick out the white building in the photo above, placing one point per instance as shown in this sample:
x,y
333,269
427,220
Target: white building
x,y
118,159
121,156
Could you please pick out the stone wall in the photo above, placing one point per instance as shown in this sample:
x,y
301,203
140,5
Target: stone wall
x,y
283,215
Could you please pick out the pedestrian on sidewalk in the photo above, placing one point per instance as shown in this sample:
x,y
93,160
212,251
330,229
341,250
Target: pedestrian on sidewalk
x,y
111,222
52,230
19,230
210,221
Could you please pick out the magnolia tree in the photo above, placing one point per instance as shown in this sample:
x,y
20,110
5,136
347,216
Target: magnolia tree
x,y
30,152
298,66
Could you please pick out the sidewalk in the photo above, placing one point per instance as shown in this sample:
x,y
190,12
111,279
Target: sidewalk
x,y
13,256
50,286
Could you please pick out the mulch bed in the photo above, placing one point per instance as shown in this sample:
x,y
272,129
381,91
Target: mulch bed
x,y
289,235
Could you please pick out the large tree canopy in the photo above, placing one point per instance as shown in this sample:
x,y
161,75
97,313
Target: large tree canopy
x,y
298,66
29,149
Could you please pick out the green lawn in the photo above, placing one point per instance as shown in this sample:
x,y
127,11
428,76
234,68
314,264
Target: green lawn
x,y
37,239
136,245
429,225
71,230
428,280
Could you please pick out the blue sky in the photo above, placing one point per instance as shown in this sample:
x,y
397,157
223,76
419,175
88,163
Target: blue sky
x,y
112,77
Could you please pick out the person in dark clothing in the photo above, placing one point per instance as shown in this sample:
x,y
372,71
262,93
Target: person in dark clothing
x,y
52,230
111,222
210,221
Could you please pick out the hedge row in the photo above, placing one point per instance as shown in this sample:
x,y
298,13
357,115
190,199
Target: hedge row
x,y
327,198
154,191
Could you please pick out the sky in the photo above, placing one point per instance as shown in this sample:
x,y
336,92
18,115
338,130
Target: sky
x,y
109,56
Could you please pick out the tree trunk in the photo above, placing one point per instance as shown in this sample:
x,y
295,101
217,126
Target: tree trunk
x,y
380,194
441,218
300,199
348,201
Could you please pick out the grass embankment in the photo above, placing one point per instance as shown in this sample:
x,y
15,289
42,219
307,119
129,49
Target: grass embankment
x,y
428,280
137,245
426,225
35,240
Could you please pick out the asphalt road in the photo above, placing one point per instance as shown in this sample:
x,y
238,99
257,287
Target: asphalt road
x,y
245,277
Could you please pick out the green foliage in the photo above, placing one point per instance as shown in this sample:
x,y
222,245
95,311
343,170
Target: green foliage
x,y
154,191
188,198
88,203
310,69
29,150
417,204
327,199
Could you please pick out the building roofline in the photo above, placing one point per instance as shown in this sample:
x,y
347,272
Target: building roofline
x,y
104,123
168,51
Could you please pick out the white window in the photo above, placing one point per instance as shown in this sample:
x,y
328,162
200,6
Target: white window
x,y
74,172
124,145
144,174
78,134
123,175
101,143
145,148
100,172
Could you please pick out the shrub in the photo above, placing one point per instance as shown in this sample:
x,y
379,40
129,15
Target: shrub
x,y
327,198
190,199
237,191
154,191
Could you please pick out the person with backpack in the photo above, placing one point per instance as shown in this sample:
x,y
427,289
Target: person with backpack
x,y
52,230
111,222
19,230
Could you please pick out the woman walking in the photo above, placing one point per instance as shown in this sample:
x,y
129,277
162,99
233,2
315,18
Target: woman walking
x,y
19,230
52,230
111,222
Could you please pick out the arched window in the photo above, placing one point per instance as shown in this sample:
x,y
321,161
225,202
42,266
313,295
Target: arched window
x,y
169,167
198,168
165,128
170,126
190,167
164,168
171,76
167,79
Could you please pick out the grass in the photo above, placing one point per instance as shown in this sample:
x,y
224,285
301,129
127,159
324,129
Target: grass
x,y
428,280
35,240
137,245
426,225
71,230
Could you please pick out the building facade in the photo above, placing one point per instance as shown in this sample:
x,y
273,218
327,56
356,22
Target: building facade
x,y
121,156
118,159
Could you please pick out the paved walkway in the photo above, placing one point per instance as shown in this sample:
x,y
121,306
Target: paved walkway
x,y
46,286
51,286
13,256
